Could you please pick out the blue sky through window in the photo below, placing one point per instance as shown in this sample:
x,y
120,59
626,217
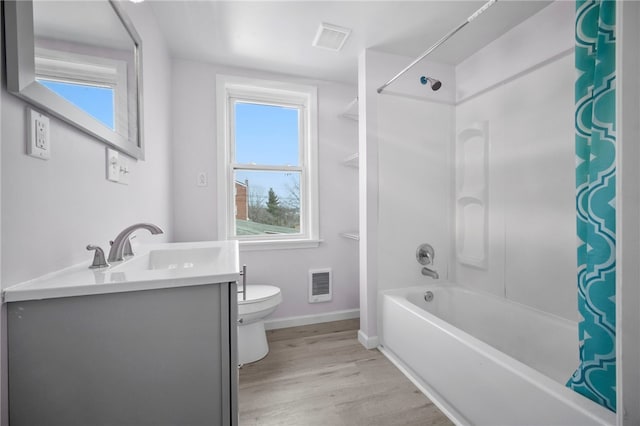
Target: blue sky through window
x,y
95,100
267,135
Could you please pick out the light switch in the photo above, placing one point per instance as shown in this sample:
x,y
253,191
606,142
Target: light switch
x,y
113,165
38,141
203,179
124,170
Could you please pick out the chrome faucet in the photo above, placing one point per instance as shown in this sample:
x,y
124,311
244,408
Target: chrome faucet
x,y
98,258
425,255
430,273
116,254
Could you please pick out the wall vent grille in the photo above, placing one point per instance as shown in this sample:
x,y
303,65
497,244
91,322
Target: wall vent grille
x,y
320,285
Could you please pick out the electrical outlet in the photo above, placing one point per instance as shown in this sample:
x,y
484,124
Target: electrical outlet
x,y
38,141
113,165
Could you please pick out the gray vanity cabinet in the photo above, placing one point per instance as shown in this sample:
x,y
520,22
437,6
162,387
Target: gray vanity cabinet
x,y
154,357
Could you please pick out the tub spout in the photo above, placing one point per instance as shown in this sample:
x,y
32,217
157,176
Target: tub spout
x,y
430,273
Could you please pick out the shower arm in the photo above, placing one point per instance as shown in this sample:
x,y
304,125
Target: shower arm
x,y
447,36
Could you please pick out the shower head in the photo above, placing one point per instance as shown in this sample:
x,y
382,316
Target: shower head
x,y
435,84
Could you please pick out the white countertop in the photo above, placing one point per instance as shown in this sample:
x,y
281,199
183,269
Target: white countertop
x,y
134,274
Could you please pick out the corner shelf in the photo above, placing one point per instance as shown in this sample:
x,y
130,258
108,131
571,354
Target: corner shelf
x,y
351,235
351,111
352,160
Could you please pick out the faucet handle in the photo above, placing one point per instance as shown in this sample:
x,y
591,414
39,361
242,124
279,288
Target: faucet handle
x,y
425,254
99,260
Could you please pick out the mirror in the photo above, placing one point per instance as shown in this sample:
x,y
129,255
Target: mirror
x,y
79,61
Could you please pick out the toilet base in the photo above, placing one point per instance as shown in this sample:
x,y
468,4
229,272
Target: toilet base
x,y
252,342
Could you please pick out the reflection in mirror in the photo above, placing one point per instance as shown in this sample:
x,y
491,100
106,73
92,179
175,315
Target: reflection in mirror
x,y
81,64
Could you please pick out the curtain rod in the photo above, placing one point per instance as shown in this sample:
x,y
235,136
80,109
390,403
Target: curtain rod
x,y
477,13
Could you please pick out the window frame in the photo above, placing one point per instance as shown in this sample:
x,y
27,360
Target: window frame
x,y
229,91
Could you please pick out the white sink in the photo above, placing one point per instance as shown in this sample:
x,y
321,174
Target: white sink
x,y
172,258
153,266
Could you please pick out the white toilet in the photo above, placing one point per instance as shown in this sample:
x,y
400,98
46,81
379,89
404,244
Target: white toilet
x,y
261,300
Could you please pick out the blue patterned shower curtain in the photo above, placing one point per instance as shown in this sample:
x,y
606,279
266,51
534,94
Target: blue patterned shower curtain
x,y
595,123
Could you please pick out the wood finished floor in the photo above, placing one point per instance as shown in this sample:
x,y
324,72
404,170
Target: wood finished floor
x,y
321,375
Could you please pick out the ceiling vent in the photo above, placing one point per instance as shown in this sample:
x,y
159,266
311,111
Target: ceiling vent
x,y
331,37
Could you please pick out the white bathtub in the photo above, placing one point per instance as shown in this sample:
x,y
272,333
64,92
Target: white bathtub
x,y
484,360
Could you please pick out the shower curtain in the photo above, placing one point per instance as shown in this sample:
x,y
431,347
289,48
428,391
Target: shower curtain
x,y
595,181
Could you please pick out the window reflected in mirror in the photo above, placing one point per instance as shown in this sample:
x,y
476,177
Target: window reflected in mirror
x,y
85,55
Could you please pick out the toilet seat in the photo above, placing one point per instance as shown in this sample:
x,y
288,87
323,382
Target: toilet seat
x,y
261,301
258,293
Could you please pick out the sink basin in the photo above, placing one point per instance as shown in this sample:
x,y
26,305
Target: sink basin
x,y
173,258
184,258
154,266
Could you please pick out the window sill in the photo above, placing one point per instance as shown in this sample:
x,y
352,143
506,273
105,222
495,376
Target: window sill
x,y
277,245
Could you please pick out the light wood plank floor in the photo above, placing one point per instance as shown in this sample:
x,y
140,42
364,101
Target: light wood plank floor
x,y
321,375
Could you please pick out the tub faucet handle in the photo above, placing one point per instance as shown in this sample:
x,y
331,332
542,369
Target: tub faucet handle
x,y
425,254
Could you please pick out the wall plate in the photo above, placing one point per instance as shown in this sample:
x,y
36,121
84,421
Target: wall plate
x,y
113,165
38,137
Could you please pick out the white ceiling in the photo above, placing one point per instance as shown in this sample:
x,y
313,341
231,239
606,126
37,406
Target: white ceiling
x,y
276,36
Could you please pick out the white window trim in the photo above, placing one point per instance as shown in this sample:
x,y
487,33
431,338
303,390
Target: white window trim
x,y
75,67
228,87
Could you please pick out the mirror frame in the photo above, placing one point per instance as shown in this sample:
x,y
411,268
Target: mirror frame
x,y
21,77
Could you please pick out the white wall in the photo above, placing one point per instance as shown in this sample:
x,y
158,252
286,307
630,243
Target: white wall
x,y
532,240
627,213
543,37
404,136
414,188
194,141
531,208
52,209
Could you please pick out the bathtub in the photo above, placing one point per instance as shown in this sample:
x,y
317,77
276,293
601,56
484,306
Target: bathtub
x,y
485,360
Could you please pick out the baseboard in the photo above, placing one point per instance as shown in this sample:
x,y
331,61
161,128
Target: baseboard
x,y
273,324
366,341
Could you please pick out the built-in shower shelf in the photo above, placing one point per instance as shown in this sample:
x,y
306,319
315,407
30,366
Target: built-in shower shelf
x,y
472,145
467,196
351,235
469,133
351,111
352,160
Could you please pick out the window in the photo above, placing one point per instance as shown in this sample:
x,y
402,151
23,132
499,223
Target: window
x,y
267,149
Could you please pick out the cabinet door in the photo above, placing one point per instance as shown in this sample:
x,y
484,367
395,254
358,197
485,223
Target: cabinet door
x,y
146,358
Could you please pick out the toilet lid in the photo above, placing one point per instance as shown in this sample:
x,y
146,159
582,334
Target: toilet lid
x,y
257,293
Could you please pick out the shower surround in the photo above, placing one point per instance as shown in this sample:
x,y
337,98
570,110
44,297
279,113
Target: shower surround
x,y
412,140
